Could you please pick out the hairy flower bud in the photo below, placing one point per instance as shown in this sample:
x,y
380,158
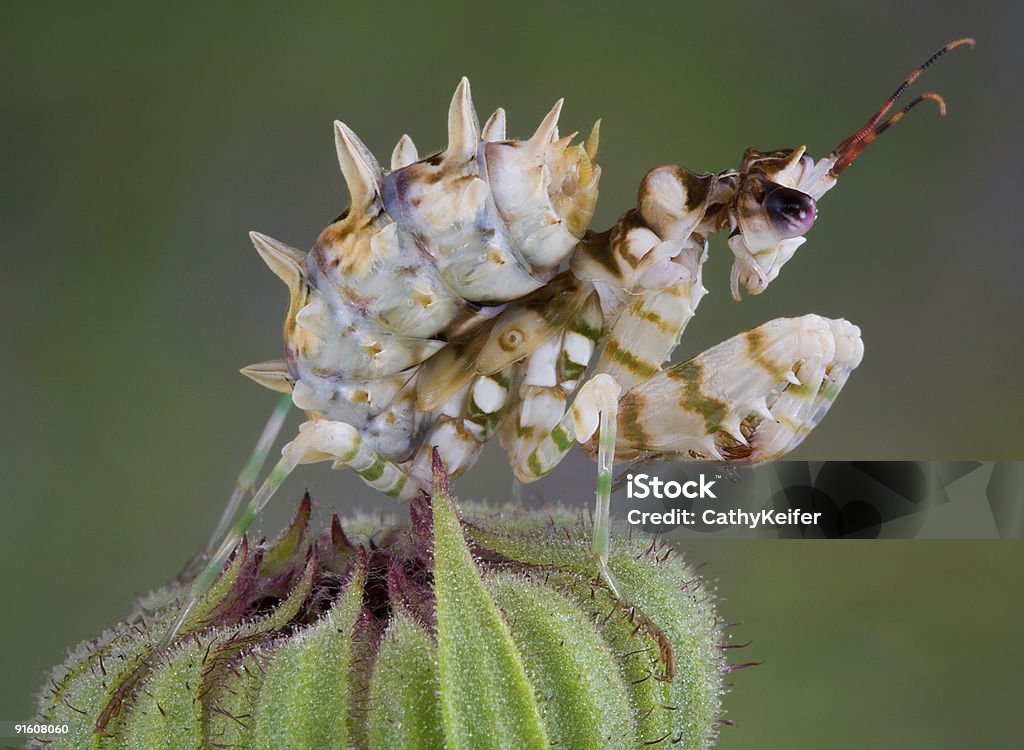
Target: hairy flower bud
x,y
447,632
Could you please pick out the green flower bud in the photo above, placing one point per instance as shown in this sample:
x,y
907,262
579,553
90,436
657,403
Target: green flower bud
x,y
488,633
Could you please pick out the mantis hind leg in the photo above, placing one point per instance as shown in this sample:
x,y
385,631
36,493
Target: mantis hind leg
x,y
246,481
318,440
206,577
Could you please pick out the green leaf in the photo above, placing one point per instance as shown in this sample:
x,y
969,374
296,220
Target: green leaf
x,y
655,580
574,672
167,712
221,594
306,698
79,690
405,712
670,594
486,699
286,546
230,704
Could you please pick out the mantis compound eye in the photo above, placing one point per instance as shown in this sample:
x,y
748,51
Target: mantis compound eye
x,y
790,212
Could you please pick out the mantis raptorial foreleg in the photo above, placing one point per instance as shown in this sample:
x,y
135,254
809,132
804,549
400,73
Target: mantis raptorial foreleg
x,y
750,399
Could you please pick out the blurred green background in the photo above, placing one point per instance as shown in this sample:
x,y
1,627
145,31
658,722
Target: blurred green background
x,y
139,145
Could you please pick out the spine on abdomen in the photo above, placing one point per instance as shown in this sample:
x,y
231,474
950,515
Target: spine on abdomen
x,y
431,247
